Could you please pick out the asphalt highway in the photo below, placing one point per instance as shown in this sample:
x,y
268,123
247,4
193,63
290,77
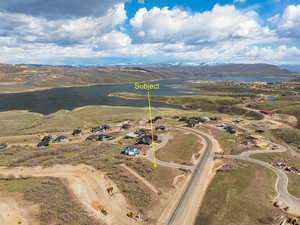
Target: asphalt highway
x,y
186,209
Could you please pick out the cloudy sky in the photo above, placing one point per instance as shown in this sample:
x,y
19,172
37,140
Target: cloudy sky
x,y
149,31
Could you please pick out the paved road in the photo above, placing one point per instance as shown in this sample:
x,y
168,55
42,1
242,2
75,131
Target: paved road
x,y
187,206
281,185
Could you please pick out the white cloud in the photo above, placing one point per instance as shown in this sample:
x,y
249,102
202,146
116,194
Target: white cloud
x,y
113,40
59,9
288,24
224,34
63,32
173,25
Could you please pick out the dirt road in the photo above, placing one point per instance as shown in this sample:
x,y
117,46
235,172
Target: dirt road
x,y
142,179
89,187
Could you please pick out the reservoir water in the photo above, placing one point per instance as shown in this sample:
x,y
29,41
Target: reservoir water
x,y
49,101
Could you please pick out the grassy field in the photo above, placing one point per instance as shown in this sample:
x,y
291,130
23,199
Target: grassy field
x,y
11,121
242,196
206,103
180,149
290,136
294,180
57,205
183,100
219,87
23,122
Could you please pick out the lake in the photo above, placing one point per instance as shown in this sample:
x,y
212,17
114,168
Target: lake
x,y
49,101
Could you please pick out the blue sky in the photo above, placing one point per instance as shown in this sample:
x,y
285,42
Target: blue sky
x,y
142,31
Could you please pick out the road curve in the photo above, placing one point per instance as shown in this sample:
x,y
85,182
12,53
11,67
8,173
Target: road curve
x,y
281,185
186,209
164,140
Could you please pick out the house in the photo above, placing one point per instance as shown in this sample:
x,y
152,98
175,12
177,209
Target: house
x,y
142,131
259,131
131,135
3,146
126,126
76,132
192,123
99,137
43,143
204,119
237,120
96,129
162,128
61,139
47,138
157,118
231,130
267,112
100,128
92,138
105,127
132,150
184,119
147,139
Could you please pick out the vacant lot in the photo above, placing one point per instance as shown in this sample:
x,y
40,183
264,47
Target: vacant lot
x,y
161,177
181,148
57,205
242,196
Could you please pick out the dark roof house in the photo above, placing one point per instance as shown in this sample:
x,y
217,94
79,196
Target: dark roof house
x,y
76,132
160,128
147,140
126,126
43,143
61,139
2,146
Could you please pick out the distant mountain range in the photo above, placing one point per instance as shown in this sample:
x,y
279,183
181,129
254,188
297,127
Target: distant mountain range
x,y
292,68
43,76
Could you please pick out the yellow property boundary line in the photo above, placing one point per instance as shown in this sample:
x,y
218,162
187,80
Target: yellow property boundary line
x,y
151,127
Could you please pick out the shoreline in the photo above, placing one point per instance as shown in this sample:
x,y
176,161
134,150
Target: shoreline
x,y
70,86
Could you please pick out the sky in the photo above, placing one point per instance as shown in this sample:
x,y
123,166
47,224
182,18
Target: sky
x,y
107,32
